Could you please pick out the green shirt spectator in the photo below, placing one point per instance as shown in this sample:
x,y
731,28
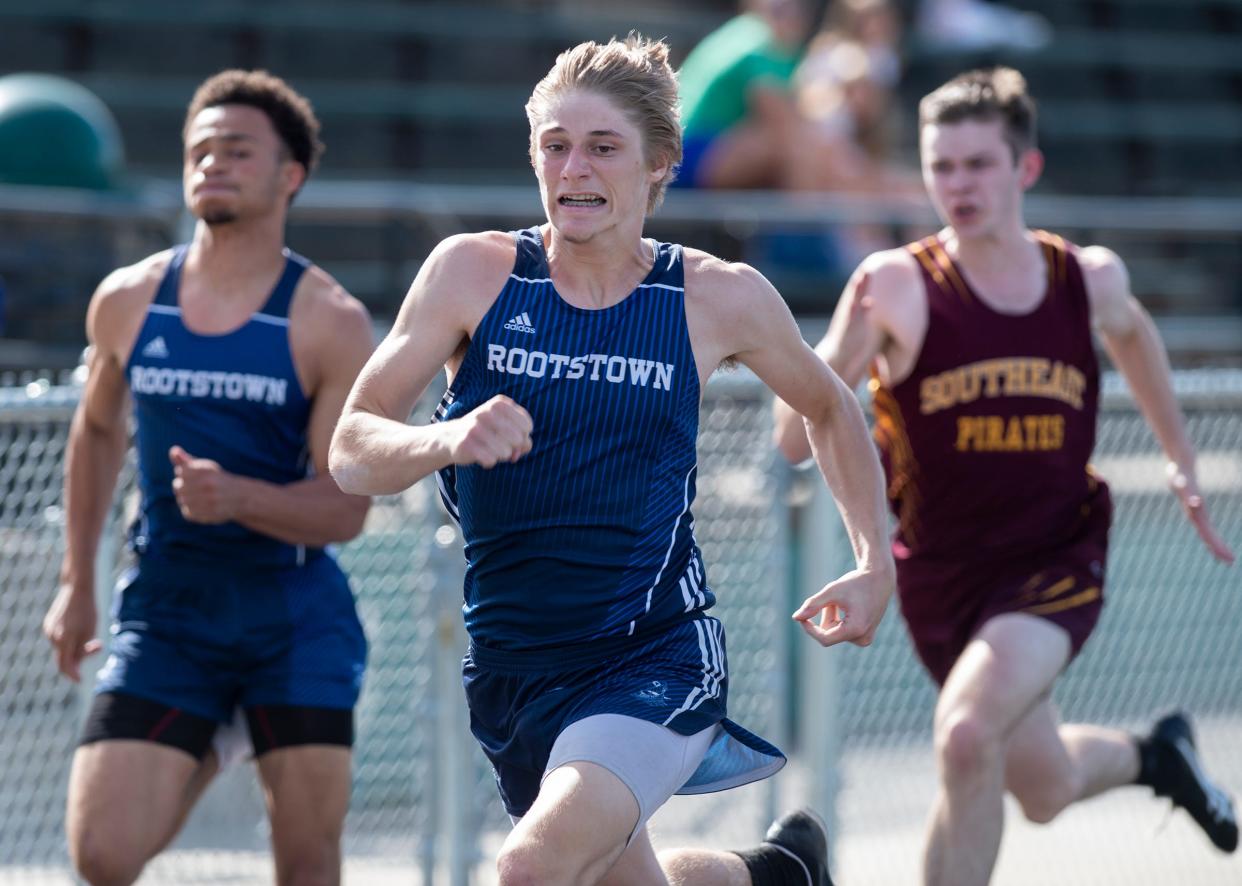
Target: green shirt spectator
x,y
736,91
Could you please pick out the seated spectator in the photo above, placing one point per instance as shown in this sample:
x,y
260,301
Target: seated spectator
x,y
742,125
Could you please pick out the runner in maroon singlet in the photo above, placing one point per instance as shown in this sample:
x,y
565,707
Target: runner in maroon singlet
x,y
978,341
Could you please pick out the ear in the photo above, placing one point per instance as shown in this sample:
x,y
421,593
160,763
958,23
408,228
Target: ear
x,y
1031,167
658,169
295,175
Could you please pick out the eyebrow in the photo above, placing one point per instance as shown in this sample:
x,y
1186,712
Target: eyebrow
x,y
594,133
224,137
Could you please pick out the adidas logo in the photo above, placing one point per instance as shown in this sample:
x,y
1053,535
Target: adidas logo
x,y
520,323
156,348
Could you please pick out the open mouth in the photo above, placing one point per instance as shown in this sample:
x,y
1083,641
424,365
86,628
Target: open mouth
x,y
581,200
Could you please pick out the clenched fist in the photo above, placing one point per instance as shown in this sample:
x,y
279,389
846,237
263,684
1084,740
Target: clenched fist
x,y
496,431
206,493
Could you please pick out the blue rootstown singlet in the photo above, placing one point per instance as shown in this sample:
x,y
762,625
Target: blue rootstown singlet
x,y
249,414
589,536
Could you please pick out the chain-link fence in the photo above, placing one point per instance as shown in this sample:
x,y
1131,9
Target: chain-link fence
x,y
424,804
424,807
1169,637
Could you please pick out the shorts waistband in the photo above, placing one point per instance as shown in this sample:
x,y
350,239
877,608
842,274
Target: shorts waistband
x,y
562,658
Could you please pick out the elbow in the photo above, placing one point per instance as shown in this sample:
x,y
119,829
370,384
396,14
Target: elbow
x,y
346,470
348,475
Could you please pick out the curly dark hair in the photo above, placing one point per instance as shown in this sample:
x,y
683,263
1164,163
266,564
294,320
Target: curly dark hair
x,y
290,112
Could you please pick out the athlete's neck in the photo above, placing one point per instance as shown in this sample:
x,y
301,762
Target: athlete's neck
x,y
227,259
600,272
992,252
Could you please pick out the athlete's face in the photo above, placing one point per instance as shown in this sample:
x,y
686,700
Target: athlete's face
x,y
592,169
235,165
971,174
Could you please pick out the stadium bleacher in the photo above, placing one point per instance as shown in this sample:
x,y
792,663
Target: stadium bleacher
x,y
1139,98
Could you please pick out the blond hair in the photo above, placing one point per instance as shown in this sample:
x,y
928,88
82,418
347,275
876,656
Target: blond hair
x,y
633,73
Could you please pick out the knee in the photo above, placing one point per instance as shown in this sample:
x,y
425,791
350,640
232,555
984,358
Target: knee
x,y
101,862
319,865
522,865
1043,798
311,875
966,746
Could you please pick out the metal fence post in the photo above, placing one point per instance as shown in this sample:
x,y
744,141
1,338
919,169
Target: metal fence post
x,y
458,847
824,551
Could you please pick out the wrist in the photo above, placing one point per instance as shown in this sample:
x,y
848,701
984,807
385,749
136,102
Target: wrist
x,y
244,497
78,584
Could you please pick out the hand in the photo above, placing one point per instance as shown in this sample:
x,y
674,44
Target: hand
x,y
496,431
849,608
70,627
1183,485
206,493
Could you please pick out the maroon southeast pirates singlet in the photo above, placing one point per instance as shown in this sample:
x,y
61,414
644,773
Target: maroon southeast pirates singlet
x,y
985,448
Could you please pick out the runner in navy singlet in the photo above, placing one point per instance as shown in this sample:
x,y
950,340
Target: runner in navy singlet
x,y
565,446
238,355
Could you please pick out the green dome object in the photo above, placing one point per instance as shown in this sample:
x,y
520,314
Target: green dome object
x,y
55,132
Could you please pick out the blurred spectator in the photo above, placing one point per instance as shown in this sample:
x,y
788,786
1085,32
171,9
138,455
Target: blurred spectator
x,y
844,86
972,25
742,125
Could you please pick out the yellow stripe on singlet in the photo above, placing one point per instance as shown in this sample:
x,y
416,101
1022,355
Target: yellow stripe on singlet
x,y
941,256
903,464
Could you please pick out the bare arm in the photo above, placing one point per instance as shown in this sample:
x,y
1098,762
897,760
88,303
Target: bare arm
x,y
332,337
882,315
1134,346
94,453
850,344
851,607
373,450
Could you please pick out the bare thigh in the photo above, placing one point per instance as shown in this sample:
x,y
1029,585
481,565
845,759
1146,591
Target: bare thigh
x,y
128,799
307,792
1004,673
637,866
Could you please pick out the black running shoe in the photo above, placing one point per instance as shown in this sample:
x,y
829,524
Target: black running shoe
x,y
803,836
1187,785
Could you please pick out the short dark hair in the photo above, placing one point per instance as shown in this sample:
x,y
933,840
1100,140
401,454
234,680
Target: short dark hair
x,y
986,94
291,113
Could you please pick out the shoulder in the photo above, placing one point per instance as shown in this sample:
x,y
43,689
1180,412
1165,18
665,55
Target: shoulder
x,y
724,283
1102,270
1107,283
323,304
132,283
894,283
120,301
473,259
897,269
731,308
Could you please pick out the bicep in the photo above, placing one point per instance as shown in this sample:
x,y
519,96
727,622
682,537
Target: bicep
x,y
350,346
784,361
1115,312
105,397
854,336
423,338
